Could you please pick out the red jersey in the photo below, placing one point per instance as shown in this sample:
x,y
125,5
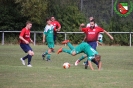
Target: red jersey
x,y
25,34
92,34
56,24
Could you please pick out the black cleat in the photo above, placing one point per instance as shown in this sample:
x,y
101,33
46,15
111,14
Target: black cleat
x,y
86,66
43,56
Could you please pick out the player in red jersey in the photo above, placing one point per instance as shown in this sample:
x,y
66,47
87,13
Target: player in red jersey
x,y
92,33
24,43
56,25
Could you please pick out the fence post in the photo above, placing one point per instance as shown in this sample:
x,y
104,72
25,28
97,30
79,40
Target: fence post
x,y
34,38
3,38
65,36
130,39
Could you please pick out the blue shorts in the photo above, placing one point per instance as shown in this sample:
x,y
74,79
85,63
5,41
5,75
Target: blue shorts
x,y
25,47
93,44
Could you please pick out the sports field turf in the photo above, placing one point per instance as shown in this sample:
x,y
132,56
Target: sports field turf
x,y
117,69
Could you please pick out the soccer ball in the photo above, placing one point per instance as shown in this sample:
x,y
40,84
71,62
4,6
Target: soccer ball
x,y
66,65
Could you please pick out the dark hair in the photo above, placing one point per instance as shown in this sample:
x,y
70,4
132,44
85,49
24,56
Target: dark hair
x,y
47,19
28,22
93,20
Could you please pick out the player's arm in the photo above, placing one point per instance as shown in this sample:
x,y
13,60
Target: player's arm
x,y
84,39
59,26
31,40
99,65
108,35
90,65
21,37
43,38
81,27
100,43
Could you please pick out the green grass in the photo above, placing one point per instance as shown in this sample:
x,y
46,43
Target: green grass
x,y
117,69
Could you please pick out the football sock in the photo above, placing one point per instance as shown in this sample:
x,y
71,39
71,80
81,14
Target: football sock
x,y
70,45
82,57
25,57
45,53
48,56
66,51
29,59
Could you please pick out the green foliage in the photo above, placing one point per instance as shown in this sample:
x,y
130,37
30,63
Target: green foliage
x,y
34,10
10,18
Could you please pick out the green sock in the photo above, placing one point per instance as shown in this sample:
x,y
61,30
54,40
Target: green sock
x,y
45,53
48,56
70,45
67,51
82,57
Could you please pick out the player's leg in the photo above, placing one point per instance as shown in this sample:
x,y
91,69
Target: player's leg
x,y
25,49
30,54
80,59
68,44
44,54
51,46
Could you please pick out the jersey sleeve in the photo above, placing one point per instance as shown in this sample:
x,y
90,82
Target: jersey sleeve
x,y
84,29
45,30
22,33
100,29
58,24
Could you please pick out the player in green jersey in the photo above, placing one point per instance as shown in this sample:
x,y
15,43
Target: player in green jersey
x,y
85,48
48,36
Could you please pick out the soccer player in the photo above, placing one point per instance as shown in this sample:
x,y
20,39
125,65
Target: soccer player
x,y
24,43
92,33
82,47
56,25
48,36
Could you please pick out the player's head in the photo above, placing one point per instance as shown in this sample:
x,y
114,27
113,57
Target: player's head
x,y
28,24
98,58
92,24
91,18
52,18
48,20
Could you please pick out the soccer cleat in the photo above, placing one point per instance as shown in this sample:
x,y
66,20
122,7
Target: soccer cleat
x,y
59,51
23,62
29,65
43,56
77,62
65,41
86,66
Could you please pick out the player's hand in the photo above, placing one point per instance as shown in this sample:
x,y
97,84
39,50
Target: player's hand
x,y
31,41
26,42
111,38
82,25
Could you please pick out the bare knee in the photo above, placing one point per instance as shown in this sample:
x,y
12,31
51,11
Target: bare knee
x,y
31,53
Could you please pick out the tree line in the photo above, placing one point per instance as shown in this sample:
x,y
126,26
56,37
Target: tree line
x,y
14,14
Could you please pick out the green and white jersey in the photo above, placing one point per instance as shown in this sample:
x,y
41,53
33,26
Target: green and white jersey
x,y
48,31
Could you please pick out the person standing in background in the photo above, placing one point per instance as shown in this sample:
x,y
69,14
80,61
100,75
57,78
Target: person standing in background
x,y
57,27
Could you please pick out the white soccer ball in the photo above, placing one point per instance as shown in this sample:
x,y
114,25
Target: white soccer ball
x,y
66,65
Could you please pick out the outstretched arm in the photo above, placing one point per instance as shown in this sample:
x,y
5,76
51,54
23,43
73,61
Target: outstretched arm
x,y
90,65
108,35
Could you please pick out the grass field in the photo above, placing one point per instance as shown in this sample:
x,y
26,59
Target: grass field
x,y
117,69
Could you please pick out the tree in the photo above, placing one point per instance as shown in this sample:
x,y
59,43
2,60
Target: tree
x,y
34,10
